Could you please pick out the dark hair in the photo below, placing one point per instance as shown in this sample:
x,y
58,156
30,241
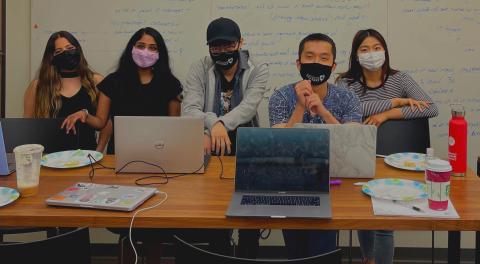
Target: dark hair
x,y
355,72
47,97
128,70
317,37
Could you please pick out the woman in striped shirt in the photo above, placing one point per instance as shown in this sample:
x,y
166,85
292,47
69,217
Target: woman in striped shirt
x,y
384,94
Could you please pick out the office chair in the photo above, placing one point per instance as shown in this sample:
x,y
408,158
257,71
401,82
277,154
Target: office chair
x,y
72,247
188,254
43,131
403,135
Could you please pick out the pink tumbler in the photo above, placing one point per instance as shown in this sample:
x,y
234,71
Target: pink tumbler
x,y
437,176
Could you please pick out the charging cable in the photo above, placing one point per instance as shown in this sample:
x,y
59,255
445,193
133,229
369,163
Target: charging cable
x,y
133,218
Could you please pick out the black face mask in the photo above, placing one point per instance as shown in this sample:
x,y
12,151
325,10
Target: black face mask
x,y
315,72
67,60
225,60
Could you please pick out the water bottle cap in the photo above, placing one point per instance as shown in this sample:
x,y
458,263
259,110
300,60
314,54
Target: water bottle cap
x,y
457,110
439,165
458,113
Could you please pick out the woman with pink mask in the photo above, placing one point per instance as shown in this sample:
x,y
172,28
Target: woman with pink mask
x,y
142,85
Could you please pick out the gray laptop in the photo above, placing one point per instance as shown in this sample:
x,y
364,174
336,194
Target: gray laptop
x,y
173,143
352,149
282,173
102,196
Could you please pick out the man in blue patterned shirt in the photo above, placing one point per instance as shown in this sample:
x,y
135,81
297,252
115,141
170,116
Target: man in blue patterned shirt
x,y
313,100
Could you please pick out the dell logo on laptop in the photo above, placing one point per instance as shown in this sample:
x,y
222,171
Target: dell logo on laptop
x,y
159,144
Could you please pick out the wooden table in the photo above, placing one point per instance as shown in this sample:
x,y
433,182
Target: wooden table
x,y
200,201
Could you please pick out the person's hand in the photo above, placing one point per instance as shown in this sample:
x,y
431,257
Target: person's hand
x,y
302,90
220,139
69,122
314,104
420,105
376,120
207,144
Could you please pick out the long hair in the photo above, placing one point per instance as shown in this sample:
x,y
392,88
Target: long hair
x,y
355,72
48,98
128,70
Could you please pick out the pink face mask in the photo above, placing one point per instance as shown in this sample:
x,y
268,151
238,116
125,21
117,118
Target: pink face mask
x,y
144,58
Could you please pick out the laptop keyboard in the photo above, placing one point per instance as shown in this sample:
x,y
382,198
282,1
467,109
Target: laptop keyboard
x,y
280,200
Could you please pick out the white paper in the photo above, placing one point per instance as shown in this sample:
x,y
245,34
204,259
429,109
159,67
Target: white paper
x,y
389,207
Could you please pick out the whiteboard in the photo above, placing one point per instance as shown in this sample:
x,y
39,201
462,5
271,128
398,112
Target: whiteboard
x,y
433,40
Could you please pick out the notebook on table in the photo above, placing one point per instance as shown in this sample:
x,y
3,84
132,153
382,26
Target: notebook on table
x,y
102,196
282,173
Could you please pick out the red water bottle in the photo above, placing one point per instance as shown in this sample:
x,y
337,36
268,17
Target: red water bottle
x,y
457,141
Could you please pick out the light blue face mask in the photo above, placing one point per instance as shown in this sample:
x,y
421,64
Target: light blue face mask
x,y
372,61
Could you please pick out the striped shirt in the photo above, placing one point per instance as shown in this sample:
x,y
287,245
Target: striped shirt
x,y
398,85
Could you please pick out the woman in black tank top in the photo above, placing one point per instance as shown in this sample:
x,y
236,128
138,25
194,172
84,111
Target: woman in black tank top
x,y
66,85
80,100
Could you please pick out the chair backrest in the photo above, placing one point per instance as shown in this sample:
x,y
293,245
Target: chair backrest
x,y
43,131
189,254
407,135
71,247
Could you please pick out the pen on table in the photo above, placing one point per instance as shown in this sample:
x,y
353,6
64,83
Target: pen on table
x,y
413,207
335,182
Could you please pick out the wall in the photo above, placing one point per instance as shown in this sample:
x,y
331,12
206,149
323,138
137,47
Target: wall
x,y
17,56
18,74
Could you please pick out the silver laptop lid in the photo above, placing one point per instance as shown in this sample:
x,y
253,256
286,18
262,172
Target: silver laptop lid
x,y
174,143
352,150
282,160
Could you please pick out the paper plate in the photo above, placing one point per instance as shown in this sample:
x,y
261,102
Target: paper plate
x,y
8,195
395,189
407,161
70,159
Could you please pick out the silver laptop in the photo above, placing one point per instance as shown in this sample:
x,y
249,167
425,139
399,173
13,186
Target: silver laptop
x,y
282,173
172,144
102,196
352,149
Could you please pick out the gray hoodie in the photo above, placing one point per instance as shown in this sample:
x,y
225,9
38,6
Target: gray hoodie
x,y
199,93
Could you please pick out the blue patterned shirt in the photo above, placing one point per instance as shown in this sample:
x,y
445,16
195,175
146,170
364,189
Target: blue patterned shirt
x,y
341,102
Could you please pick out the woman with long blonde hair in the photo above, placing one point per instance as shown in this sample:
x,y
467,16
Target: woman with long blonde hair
x,y
65,85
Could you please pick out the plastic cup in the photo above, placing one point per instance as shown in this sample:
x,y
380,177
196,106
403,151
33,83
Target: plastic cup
x,y
437,176
27,159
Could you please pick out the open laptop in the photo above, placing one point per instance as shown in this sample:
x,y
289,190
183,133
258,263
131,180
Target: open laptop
x,y
102,196
282,173
173,143
352,149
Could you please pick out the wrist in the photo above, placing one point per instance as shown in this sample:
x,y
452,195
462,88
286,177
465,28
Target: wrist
x,y
322,111
299,106
396,102
85,112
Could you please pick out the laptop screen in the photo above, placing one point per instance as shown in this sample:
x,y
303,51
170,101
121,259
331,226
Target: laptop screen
x,y
290,160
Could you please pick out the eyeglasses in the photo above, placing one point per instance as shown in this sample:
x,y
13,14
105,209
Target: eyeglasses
x,y
142,46
228,47
58,51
